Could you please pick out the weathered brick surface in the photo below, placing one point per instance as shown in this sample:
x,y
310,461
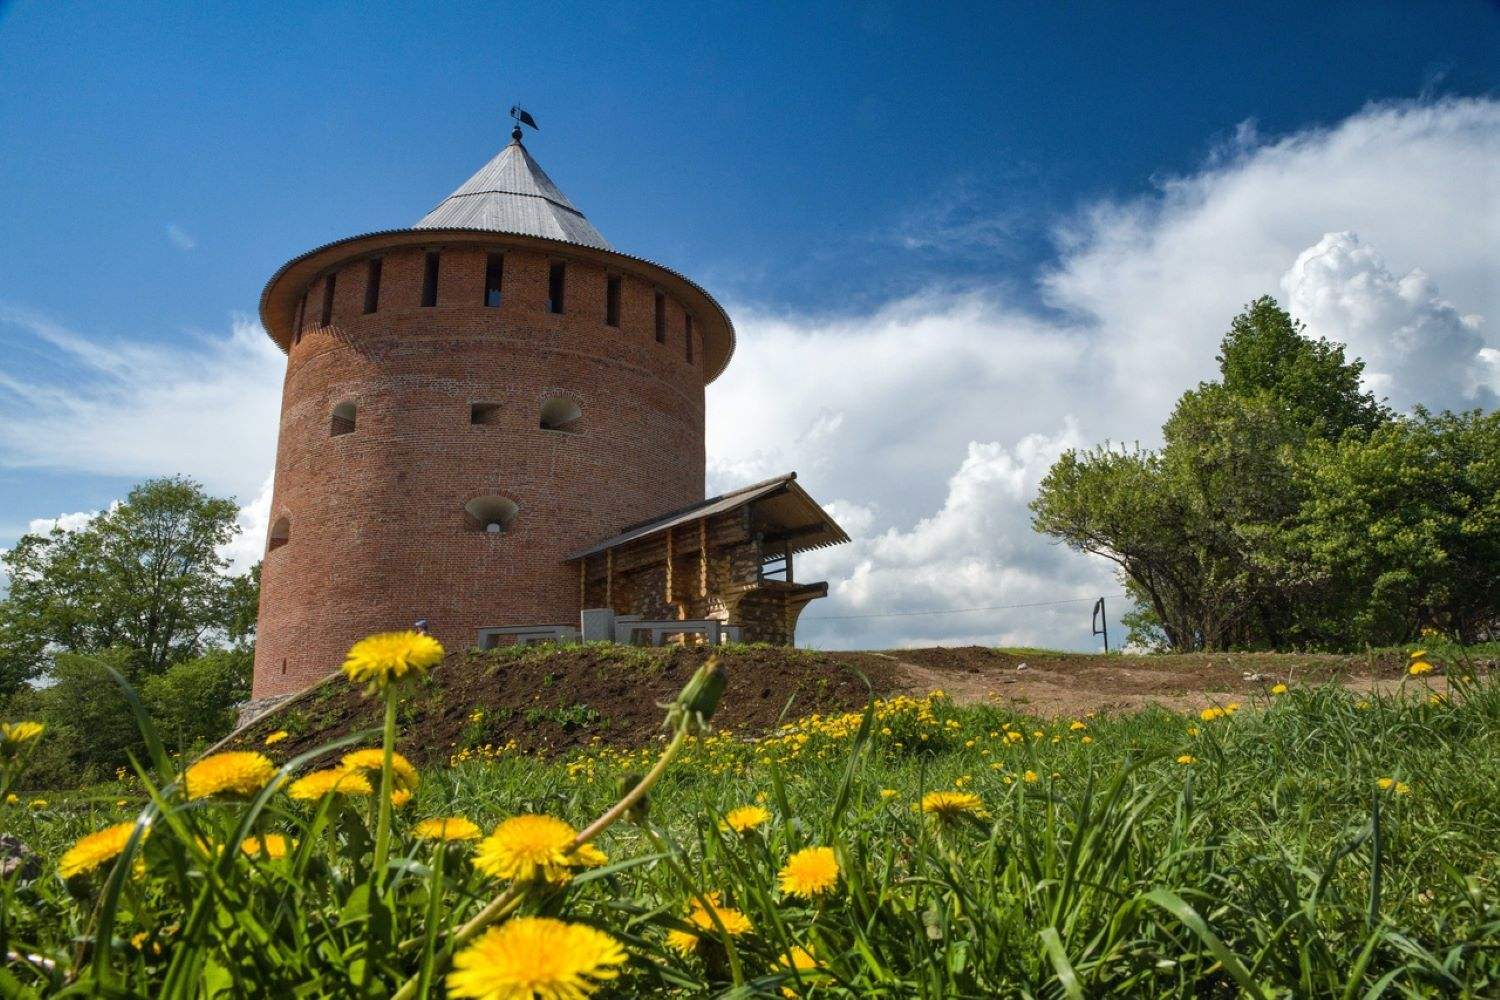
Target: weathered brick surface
x,y
378,533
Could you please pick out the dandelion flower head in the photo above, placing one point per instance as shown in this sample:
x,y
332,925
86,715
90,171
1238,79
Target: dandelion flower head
x,y
235,772
810,872
528,957
379,659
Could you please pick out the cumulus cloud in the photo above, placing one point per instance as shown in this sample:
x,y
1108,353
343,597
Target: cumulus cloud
x,y
202,405
1417,347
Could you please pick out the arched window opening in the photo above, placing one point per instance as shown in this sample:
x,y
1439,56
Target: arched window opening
x,y
343,420
281,533
493,514
562,414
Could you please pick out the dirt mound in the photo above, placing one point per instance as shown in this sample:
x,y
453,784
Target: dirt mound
x,y
549,699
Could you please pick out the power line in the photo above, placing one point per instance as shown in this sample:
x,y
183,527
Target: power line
x,y
955,611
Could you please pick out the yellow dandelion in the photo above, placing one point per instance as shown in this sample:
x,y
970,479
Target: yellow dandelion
x,y
1210,714
746,818
273,846
15,735
95,849
1363,706
1029,777
810,872
1392,785
1418,654
528,957
889,793
369,761
1078,725
38,803
276,737
1419,668
1011,736
1278,689
952,805
312,787
1187,758
734,922
531,847
1437,698
235,772
1086,740
1193,730
391,656
446,828
400,797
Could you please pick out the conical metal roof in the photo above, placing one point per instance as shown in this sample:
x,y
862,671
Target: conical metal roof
x,y
513,194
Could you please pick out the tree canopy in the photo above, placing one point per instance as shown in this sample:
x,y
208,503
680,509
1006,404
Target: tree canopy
x,y
145,576
1288,508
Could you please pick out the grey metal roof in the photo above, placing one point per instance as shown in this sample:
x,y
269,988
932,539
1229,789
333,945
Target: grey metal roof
x,y
808,512
513,194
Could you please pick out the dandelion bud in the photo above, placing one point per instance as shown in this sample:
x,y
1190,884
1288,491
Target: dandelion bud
x,y
699,698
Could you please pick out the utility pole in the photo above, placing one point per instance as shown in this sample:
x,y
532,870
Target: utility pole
x,y
1101,622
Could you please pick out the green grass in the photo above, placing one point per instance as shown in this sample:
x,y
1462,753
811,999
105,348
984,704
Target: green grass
x,y
1271,865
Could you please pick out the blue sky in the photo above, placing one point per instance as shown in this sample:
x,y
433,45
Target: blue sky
x,y
823,168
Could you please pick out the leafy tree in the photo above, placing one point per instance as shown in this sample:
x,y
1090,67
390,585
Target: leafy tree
x,y
1266,351
1288,508
192,702
145,576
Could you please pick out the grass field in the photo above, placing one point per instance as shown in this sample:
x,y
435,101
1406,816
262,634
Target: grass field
x,y
1312,843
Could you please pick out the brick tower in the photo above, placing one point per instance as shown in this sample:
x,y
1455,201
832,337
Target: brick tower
x,y
467,402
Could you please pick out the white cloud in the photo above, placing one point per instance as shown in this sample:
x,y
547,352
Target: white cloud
x,y
180,238
205,406
1417,348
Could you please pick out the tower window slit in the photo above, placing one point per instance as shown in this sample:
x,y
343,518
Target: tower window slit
x,y
328,287
343,421
557,276
494,270
612,301
372,286
430,280
661,318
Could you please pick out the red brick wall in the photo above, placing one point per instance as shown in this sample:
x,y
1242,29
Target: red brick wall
x,y
378,534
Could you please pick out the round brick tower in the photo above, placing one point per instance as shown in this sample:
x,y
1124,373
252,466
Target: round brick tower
x,y
466,402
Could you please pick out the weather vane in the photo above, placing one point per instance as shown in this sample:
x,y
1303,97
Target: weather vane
x,y
521,117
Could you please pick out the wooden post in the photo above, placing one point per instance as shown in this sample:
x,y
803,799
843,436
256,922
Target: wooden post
x,y
703,557
609,578
670,555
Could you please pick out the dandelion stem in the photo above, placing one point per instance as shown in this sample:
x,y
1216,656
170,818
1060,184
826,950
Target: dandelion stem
x,y
383,806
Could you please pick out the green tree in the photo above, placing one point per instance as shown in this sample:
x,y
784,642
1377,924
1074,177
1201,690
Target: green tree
x,y
145,576
1267,351
193,702
1287,508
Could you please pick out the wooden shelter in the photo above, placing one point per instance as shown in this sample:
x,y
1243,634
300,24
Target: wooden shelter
x,y
729,557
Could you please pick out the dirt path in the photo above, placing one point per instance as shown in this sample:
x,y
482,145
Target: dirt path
x,y
1060,685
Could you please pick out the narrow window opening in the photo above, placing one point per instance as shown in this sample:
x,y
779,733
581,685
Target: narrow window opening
x,y
429,280
661,318
328,286
372,286
494,269
343,420
687,338
556,285
561,414
301,315
484,413
492,514
612,300
281,533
